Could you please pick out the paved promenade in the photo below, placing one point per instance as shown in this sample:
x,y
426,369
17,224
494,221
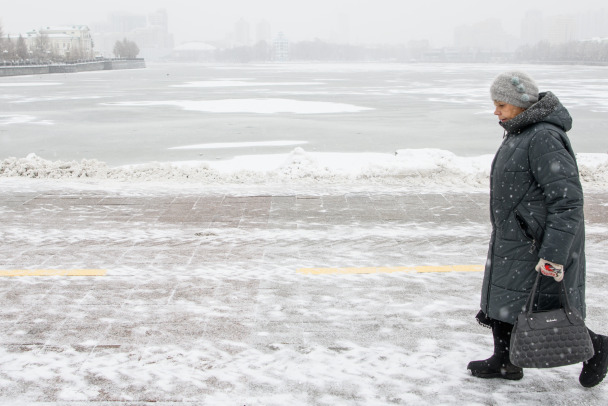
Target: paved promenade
x,y
206,298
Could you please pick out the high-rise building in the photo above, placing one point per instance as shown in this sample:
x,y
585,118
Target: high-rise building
x,y
593,24
125,22
560,29
280,48
159,19
341,35
149,32
263,32
487,35
241,32
532,27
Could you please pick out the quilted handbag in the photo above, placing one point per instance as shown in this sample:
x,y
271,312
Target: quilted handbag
x,y
551,338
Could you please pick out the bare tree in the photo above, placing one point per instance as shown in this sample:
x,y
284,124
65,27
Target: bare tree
x,y
1,40
126,49
42,47
133,50
119,49
75,53
21,48
9,50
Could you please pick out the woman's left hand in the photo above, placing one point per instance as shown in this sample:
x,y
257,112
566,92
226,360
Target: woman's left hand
x,y
550,269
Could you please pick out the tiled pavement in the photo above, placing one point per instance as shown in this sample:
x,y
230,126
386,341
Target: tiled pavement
x,y
210,270
104,230
96,229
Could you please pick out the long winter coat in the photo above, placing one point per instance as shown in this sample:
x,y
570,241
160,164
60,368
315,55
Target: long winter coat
x,y
536,203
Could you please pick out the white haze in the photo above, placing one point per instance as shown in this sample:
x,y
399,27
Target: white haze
x,y
367,21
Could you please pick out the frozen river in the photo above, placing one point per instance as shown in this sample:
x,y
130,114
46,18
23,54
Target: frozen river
x,y
186,112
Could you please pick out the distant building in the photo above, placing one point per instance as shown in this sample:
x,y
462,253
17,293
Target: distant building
x,y
341,32
126,22
159,19
71,42
193,52
532,27
487,35
561,29
149,32
241,33
593,24
280,48
263,32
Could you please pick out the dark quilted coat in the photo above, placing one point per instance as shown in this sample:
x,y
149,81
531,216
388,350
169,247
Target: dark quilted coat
x,y
536,203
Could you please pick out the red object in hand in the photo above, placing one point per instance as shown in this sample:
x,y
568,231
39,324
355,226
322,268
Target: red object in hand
x,y
551,271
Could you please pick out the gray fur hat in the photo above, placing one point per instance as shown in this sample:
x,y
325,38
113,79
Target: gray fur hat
x,y
516,88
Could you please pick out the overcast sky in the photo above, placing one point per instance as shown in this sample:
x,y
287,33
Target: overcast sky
x,y
391,21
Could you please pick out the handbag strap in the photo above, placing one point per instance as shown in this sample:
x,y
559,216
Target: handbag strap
x,y
562,293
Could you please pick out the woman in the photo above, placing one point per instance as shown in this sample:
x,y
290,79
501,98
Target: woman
x,y
536,203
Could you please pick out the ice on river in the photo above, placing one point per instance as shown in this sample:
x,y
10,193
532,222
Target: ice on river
x,y
259,106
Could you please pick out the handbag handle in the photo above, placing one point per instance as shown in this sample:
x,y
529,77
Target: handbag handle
x,y
562,292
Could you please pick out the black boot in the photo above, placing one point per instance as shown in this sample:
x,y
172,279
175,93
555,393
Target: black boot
x,y
594,370
498,365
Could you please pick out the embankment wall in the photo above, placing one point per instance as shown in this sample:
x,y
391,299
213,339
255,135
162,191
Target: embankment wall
x,y
110,64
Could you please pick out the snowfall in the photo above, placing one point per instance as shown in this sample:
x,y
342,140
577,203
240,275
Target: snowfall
x,y
269,335
399,338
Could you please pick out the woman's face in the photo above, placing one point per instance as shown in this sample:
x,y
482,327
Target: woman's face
x,y
506,111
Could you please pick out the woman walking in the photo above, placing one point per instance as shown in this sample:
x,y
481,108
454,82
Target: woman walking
x,y
536,203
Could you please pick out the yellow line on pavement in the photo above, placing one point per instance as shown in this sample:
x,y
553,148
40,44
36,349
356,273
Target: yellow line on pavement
x,y
53,272
372,270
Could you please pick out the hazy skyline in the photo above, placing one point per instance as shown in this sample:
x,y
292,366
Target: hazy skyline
x,y
377,21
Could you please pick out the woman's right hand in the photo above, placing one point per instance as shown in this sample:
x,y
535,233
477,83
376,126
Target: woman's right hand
x,y
550,269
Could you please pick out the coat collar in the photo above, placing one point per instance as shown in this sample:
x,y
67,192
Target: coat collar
x,y
547,109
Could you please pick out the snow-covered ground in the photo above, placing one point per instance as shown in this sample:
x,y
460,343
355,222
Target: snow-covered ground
x,y
204,301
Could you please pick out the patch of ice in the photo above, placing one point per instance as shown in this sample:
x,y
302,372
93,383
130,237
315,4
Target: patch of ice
x,y
54,98
221,145
240,83
25,84
22,119
256,106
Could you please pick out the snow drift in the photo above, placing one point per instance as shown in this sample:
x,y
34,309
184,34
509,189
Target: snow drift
x,y
421,167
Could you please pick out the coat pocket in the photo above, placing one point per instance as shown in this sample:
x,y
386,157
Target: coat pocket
x,y
527,232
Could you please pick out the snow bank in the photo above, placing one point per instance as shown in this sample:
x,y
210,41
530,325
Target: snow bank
x,y
415,168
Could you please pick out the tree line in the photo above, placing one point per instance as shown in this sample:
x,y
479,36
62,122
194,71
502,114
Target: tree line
x,y
583,52
575,51
15,51
318,50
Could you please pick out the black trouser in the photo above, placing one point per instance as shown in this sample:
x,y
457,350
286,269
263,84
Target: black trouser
x,y
502,339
